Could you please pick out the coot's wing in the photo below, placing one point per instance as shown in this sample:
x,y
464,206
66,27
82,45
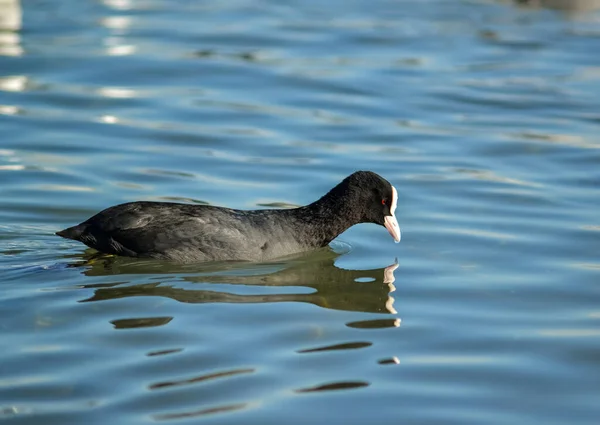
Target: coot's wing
x,y
174,231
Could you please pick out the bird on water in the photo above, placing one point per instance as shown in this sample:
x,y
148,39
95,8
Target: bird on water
x,y
197,233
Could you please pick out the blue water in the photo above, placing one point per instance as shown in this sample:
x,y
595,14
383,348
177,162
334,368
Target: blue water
x,y
485,116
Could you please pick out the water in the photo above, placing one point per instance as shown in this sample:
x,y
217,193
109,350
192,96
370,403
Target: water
x,y
483,114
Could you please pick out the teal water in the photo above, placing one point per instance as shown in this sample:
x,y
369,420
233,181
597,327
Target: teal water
x,y
484,115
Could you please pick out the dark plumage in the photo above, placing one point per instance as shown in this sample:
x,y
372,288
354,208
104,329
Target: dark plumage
x,y
195,233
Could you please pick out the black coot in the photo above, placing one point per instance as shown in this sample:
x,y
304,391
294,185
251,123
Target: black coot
x,y
194,233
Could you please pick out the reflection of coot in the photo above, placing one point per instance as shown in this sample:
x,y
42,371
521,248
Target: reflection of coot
x,y
196,233
335,288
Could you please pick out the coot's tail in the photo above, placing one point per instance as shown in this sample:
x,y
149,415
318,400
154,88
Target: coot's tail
x,y
72,232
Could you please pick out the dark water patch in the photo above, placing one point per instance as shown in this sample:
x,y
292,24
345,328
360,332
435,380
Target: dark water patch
x,y
202,412
344,346
389,361
164,352
375,324
336,386
203,378
143,322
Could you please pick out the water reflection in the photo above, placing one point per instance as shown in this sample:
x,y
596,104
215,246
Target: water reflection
x,y
334,288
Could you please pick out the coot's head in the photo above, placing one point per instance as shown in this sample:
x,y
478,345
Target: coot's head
x,y
377,199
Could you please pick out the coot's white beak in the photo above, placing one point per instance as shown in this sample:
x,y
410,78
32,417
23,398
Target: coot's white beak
x,y
390,222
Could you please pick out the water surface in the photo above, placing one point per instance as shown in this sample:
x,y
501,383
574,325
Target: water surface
x,y
484,115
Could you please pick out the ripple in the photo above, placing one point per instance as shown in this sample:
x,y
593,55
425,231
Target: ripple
x,y
13,167
65,188
178,199
336,386
344,346
10,110
14,83
109,119
389,361
202,378
450,360
482,233
201,412
482,114
559,139
143,322
587,266
490,176
164,352
168,173
375,324
277,205
570,333
118,92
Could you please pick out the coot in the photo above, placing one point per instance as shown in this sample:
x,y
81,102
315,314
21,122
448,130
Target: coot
x,y
195,233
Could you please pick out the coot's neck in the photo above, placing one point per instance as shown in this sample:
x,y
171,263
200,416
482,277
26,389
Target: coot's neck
x,y
319,223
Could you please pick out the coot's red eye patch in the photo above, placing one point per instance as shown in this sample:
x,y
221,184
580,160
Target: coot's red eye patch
x,y
383,202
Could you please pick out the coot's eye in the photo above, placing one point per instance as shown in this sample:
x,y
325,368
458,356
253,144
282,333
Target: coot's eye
x,y
383,202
